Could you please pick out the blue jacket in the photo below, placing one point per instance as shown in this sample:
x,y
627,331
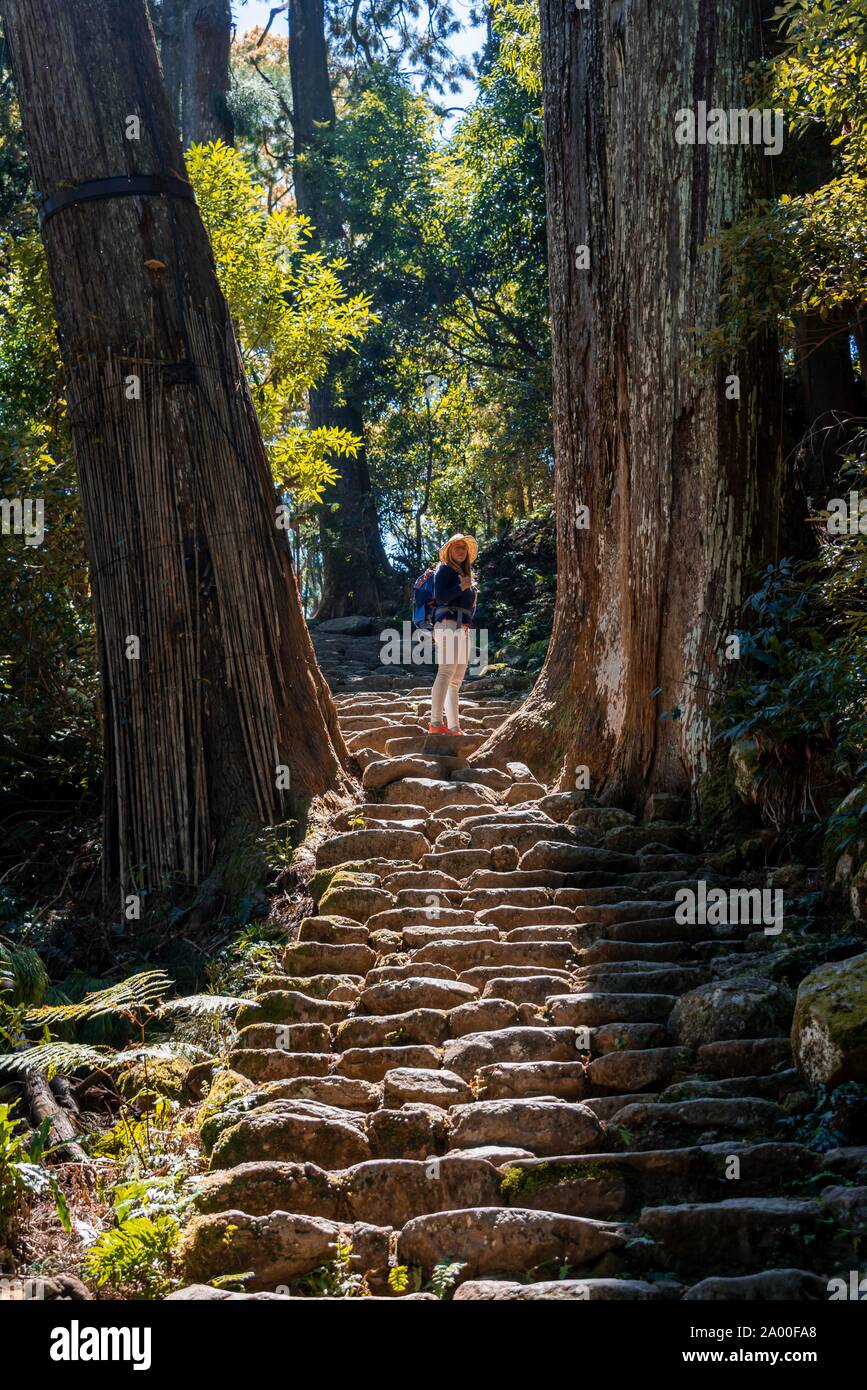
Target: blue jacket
x,y
451,600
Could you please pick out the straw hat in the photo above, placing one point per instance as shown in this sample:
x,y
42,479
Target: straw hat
x,y
472,547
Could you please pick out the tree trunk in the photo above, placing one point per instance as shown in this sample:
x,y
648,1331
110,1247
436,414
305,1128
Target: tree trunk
x,y
357,577
833,402
172,24
206,73
209,680
681,483
195,42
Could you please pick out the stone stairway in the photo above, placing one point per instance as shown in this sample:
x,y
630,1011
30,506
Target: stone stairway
x,y
484,1061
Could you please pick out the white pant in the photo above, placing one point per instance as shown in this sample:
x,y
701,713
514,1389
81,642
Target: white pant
x,y
453,654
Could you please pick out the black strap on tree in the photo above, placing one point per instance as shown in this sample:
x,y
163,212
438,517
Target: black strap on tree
x,y
118,186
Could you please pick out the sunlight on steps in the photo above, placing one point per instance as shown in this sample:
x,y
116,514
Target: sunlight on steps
x,y
474,1068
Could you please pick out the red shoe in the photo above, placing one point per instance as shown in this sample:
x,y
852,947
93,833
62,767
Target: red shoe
x,y
437,728
456,731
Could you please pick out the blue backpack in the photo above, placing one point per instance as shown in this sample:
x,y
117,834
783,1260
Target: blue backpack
x,y
423,601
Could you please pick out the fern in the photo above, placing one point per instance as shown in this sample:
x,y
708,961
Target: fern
x,y
136,1258
168,1195
54,1058
127,996
444,1276
195,1005
22,975
21,1173
176,1050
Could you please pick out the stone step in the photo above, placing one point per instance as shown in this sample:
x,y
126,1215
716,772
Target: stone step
x,y
414,937
356,901
539,1044
366,844
297,1131
605,1107
658,929
652,1125
332,929
290,1006
379,738
461,955
375,810
542,1126
479,975
324,958
635,1069
746,1233
428,1026
521,834
372,1063
377,1192
414,1085
275,1064
522,988
459,863
416,992
486,776
643,979
769,1286
382,973
291,1037
413,1130
744,1056
566,1291
608,952
607,912
437,892
523,1080
613,1186
507,918
315,987
435,794
434,913
381,772
488,1015
491,1239
549,854
276,1248
549,880
775,1087
450,745
619,1037
588,1009
545,932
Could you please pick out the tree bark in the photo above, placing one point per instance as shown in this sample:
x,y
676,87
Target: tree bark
x,y
206,73
196,39
682,484
172,26
357,577
209,681
41,1105
833,401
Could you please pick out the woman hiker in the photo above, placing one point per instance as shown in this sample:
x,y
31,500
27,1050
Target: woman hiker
x,y
455,604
